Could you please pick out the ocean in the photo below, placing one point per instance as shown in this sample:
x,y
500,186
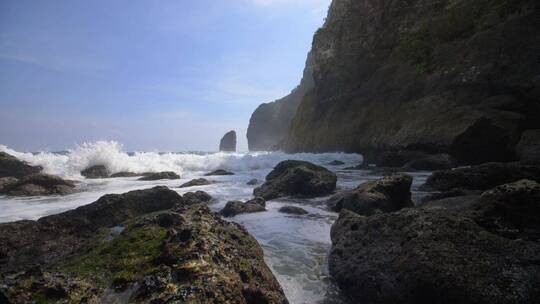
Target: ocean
x,y
295,247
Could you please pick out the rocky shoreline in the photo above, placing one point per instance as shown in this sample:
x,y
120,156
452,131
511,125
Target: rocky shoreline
x,y
475,240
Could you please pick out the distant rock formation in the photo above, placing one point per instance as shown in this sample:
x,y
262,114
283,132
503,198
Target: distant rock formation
x,y
270,122
228,142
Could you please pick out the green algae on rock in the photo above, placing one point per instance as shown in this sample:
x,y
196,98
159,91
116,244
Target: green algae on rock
x,y
137,254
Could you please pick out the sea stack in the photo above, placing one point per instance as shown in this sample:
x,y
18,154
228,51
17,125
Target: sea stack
x,y
228,142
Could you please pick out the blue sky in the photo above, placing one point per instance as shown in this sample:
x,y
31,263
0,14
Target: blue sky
x,y
152,75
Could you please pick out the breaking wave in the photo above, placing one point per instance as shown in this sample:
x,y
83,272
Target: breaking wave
x,y
110,154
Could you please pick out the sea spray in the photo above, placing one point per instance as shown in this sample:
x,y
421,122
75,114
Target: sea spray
x,y
111,154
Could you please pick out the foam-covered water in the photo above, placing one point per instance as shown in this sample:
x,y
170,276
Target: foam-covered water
x,y
296,247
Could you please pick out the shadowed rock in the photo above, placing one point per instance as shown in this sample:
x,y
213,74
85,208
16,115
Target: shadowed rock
x,y
125,174
293,210
38,184
233,208
301,178
197,197
528,148
98,171
196,182
228,142
159,175
11,166
481,177
253,182
388,194
418,255
219,172
336,163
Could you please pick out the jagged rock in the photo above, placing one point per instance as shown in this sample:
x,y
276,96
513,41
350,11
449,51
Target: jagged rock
x,y
511,210
388,194
269,123
528,148
6,182
38,184
481,177
11,166
219,172
159,175
197,197
393,78
336,163
188,256
301,178
228,142
419,255
125,174
253,182
196,182
293,210
98,171
233,208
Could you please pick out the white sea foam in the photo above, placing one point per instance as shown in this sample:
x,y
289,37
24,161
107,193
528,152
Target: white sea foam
x,y
111,154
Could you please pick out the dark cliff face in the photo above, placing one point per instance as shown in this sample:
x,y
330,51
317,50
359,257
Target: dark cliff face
x,y
461,77
270,122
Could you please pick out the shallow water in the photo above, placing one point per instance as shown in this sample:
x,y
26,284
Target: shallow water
x,y
295,247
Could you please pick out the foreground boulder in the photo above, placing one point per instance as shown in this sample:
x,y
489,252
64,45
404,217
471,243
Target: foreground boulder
x,y
483,252
228,142
159,175
233,208
510,210
388,194
36,185
481,177
11,166
133,248
196,182
294,177
98,171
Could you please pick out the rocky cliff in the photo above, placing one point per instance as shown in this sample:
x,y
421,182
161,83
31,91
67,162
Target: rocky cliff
x,y
270,122
460,77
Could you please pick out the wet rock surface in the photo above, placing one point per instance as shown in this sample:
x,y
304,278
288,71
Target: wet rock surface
x,y
196,182
481,177
37,184
293,210
469,248
189,255
219,172
389,194
197,197
98,171
159,175
10,166
297,178
125,174
253,182
233,208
